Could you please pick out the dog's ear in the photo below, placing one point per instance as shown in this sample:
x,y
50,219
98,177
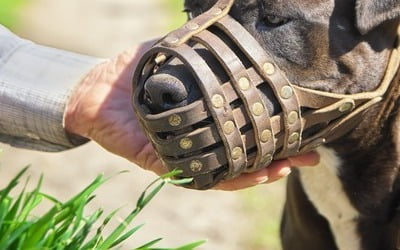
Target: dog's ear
x,y
371,13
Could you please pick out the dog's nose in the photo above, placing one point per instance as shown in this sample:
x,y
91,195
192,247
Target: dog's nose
x,y
164,92
172,86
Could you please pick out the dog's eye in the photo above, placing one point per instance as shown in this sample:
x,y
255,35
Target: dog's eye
x,y
274,21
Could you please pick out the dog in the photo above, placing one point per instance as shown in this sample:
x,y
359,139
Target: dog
x,y
352,200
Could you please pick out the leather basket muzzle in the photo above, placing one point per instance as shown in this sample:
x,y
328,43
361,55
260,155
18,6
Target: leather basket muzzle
x,y
229,130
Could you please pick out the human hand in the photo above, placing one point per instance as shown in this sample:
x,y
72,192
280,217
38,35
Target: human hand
x,y
100,108
275,171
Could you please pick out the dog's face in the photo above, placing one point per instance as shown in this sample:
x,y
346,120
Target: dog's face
x,y
337,46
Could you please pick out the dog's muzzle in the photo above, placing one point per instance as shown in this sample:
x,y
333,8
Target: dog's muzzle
x,y
228,130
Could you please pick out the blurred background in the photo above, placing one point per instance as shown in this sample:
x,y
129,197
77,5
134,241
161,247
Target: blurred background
x,y
243,220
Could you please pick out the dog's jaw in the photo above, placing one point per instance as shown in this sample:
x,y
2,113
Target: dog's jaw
x,y
326,192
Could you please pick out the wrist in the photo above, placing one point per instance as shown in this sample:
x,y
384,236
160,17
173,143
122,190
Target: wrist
x,y
75,118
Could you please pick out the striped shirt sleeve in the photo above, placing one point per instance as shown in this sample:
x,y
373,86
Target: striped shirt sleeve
x,y
35,84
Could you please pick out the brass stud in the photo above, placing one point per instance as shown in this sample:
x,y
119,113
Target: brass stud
x,y
175,120
266,135
237,153
229,127
258,108
347,106
286,92
294,138
269,68
192,26
266,159
244,83
217,101
160,59
171,40
216,11
293,117
186,143
196,166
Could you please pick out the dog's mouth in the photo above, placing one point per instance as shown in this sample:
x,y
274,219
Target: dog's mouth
x,y
214,104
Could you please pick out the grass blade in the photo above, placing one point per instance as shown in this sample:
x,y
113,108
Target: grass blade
x,y
143,201
13,183
83,233
191,246
126,235
65,226
180,182
148,245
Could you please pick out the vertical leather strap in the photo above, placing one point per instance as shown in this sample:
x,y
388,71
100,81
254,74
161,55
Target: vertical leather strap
x,y
249,94
280,85
218,105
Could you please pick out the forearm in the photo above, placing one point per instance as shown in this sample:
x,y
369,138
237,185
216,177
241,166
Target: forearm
x,y
35,84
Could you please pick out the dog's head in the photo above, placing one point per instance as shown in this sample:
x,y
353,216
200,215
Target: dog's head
x,y
336,46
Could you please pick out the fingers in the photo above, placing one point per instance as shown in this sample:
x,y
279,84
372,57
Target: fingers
x,y
309,159
244,181
275,171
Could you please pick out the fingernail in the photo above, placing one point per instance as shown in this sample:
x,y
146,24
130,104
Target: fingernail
x,y
263,180
285,172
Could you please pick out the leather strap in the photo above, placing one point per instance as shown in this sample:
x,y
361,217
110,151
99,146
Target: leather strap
x,y
229,129
249,95
274,77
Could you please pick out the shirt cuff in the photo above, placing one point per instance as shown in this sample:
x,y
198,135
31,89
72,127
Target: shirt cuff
x,y
35,84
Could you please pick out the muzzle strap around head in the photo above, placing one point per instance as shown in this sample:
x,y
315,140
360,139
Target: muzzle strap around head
x,y
229,130
218,98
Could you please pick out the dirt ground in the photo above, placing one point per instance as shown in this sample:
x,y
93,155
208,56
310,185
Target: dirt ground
x,y
104,28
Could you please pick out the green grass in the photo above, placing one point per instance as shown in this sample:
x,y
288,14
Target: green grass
x,y
65,225
9,12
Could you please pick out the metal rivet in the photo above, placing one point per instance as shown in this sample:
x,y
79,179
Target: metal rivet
x,y
294,138
266,135
347,106
237,153
196,166
266,159
217,101
293,117
160,59
269,68
171,40
286,92
258,108
186,143
244,83
192,26
229,127
174,120
216,11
